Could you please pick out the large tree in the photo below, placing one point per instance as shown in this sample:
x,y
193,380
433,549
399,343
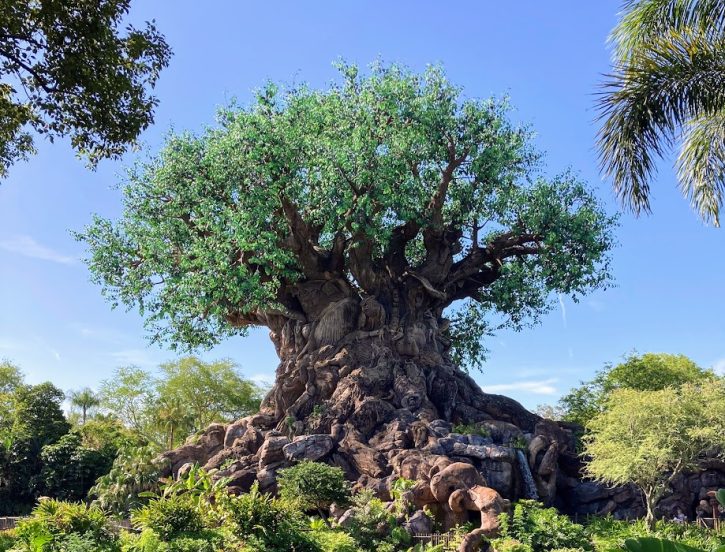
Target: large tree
x,y
74,68
666,86
373,227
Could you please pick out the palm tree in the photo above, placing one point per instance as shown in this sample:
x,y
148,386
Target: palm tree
x,y
668,85
85,399
171,415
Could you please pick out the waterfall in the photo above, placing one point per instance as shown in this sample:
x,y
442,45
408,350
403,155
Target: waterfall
x,y
529,485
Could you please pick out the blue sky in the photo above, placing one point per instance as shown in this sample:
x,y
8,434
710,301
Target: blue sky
x,y
547,56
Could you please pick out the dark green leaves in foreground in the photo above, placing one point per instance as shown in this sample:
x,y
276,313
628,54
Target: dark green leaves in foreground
x,y
651,544
73,68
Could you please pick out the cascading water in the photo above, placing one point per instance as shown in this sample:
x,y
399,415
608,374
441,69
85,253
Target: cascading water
x,y
529,484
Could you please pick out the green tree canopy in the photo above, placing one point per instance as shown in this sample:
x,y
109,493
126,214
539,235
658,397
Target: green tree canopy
x,y
383,182
186,396
649,437
73,68
667,86
647,372
11,377
209,391
129,395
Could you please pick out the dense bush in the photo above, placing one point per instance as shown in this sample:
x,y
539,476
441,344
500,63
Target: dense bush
x,y
7,540
264,523
313,485
150,541
541,529
169,517
56,526
609,534
133,472
334,541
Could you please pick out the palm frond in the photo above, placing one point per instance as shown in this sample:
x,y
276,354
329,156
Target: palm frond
x,y
678,78
701,164
644,20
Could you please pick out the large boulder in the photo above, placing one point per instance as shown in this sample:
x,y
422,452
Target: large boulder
x,y
308,447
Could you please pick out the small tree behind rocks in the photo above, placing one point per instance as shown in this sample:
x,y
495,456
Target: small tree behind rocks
x,y
649,437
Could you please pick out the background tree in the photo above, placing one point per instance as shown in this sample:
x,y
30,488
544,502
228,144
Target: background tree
x,y
173,418
85,399
368,209
129,395
36,420
74,68
649,437
10,379
208,391
647,372
667,85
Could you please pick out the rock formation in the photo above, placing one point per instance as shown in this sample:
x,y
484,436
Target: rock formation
x,y
380,400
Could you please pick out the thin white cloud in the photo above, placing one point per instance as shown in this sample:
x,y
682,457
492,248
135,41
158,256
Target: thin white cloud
x,y
563,309
55,354
540,387
28,247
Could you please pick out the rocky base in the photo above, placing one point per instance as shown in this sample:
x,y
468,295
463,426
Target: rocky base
x,y
380,411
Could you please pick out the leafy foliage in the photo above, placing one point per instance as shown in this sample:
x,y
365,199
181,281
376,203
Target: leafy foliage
x,y
538,529
62,525
471,429
263,522
610,534
70,469
169,517
133,472
210,391
34,420
379,173
647,372
649,437
188,396
313,485
665,86
69,70
85,399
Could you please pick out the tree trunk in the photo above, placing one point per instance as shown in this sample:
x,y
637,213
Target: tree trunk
x,y
359,364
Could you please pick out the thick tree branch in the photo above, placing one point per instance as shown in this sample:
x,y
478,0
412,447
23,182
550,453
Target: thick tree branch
x,y
303,240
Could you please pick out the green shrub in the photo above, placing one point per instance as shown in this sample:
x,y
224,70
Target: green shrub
x,y
313,485
330,540
58,525
133,473
261,522
509,545
7,540
543,529
169,517
608,533
651,544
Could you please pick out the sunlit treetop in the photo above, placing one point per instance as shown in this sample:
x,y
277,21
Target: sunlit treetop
x,y
386,183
